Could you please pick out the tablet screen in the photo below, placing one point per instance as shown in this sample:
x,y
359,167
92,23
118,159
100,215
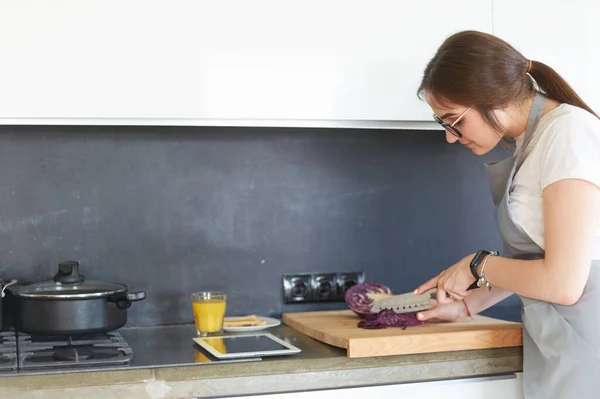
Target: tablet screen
x,y
243,344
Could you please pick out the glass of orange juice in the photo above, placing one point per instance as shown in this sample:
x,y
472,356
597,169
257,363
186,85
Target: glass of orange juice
x,y
209,312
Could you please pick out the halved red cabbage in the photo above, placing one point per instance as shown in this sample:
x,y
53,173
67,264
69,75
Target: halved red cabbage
x,y
360,297
389,318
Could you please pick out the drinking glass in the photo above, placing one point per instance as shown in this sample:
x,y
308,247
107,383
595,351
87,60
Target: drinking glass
x,y
209,312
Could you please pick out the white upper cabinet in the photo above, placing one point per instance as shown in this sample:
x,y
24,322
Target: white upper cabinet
x,y
263,62
229,61
564,35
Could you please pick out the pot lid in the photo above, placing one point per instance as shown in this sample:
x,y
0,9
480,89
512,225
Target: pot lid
x,y
68,283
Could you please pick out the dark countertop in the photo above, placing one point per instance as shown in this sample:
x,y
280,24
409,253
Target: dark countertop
x,y
166,365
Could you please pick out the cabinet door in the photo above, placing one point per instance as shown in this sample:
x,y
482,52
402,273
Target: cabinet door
x,y
501,387
562,34
224,60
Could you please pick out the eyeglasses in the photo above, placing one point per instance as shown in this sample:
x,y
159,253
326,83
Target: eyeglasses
x,y
450,127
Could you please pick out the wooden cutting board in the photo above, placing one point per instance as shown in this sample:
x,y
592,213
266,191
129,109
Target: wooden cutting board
x,y
339,328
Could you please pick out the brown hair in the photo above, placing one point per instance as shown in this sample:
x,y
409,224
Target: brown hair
x,y
481,70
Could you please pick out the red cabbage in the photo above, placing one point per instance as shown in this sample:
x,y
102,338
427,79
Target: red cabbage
x,y
360,297
389,318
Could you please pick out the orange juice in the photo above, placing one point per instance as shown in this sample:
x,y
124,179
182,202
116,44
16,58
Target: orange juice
x,y
200,357
208,315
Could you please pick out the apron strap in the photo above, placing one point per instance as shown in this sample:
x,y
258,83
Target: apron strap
x,y
535,114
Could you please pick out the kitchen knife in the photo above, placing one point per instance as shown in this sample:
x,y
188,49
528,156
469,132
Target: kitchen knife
x,y
405,303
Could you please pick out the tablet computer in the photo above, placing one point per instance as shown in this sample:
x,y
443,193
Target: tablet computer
x,y
246,345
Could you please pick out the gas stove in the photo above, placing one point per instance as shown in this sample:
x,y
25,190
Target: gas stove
x,y
22,351
127,349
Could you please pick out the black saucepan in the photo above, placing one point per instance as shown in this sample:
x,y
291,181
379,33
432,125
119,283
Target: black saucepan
x,y
70,305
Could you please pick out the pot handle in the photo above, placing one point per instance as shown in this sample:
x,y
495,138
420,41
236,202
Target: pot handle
x,y
12,282
124,302
136,296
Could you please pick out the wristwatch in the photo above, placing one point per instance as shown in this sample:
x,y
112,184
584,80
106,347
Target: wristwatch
x,y
477,259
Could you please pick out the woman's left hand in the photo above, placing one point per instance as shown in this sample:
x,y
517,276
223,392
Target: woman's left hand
x,y
453,281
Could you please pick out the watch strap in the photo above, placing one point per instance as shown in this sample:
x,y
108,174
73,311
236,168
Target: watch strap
x,y
476,261
474,265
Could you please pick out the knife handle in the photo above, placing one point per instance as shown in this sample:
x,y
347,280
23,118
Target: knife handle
x,y
473,286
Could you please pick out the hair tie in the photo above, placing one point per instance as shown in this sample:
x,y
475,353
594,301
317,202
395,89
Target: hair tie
x,y
529,67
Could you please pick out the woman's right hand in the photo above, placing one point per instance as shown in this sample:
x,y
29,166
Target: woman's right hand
x,y
444,312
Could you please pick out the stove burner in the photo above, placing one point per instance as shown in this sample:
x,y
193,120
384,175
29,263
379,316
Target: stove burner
x,y
73,353
22,351
8,351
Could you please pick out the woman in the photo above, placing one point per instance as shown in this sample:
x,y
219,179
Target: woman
x,y
547,200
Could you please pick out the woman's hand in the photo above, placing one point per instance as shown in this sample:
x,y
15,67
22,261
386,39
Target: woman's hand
x,y
453,281
453,311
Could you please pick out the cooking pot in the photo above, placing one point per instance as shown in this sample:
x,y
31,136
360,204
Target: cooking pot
x,y
2,294
70,305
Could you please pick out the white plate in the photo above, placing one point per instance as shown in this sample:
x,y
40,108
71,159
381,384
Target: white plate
x,y
271,322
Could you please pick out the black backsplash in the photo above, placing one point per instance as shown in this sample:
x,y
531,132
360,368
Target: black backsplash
x,y
173,210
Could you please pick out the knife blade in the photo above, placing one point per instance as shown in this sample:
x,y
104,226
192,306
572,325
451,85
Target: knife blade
x,y
405,303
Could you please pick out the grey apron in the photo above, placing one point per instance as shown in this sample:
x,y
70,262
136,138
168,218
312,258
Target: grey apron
x,y
561,344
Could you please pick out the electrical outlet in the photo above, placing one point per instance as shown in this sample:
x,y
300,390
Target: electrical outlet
x,y
319,287
324,287
297,288
347,280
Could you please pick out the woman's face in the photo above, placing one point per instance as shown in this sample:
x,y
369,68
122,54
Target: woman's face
x,y
477,134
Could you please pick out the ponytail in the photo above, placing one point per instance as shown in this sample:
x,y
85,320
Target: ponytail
x,y
478,69
555,87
